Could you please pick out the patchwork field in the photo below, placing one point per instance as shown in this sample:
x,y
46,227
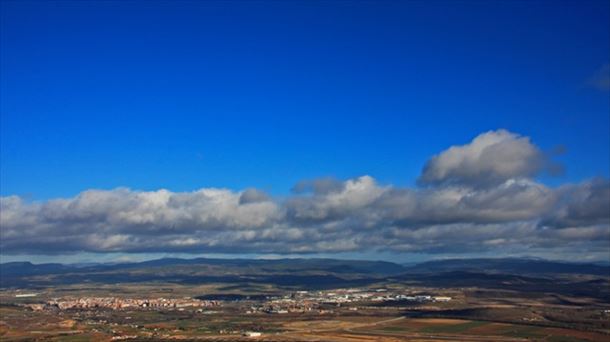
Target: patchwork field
x,y
456,329
301,300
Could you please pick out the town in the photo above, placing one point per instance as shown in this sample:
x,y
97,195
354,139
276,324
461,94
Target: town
x,y
299,301
306,301
116,303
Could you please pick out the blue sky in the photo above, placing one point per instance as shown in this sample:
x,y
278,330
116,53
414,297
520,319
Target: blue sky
x,y
237,94
264,94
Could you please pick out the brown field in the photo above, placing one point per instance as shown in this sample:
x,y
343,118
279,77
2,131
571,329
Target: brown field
x,y
473,315
18,325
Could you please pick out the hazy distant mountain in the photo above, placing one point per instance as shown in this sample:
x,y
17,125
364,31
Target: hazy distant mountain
x,y
201,270
510,266
292,272
24,268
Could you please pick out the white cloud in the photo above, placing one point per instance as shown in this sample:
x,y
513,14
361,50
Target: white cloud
x,y
478,197
584,204
491,158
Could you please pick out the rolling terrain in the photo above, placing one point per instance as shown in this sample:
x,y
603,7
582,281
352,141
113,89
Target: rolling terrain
x,y
479,300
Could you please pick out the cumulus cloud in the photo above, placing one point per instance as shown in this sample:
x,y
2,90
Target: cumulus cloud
x,y
253,196
584,204
481,196
344,200
510,201
491,158
123,219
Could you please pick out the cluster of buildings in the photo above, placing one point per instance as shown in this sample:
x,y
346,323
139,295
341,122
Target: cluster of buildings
x,y
116,303
305,301
285,305
297,302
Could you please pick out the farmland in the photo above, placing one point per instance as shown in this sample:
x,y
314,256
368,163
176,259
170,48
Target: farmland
x,y
362,305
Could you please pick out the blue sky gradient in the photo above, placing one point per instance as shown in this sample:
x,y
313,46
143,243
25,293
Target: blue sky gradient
x,y
237,94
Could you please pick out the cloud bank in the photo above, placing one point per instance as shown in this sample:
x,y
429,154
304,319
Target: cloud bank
x,y
476,197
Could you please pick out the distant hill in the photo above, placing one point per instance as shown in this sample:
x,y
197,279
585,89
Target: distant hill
x,y
509,266
27,268
266,266
307,273
275,265
571,286
201,270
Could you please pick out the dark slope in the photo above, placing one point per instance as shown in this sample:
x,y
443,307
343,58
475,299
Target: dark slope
x,y
509,266
307,273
